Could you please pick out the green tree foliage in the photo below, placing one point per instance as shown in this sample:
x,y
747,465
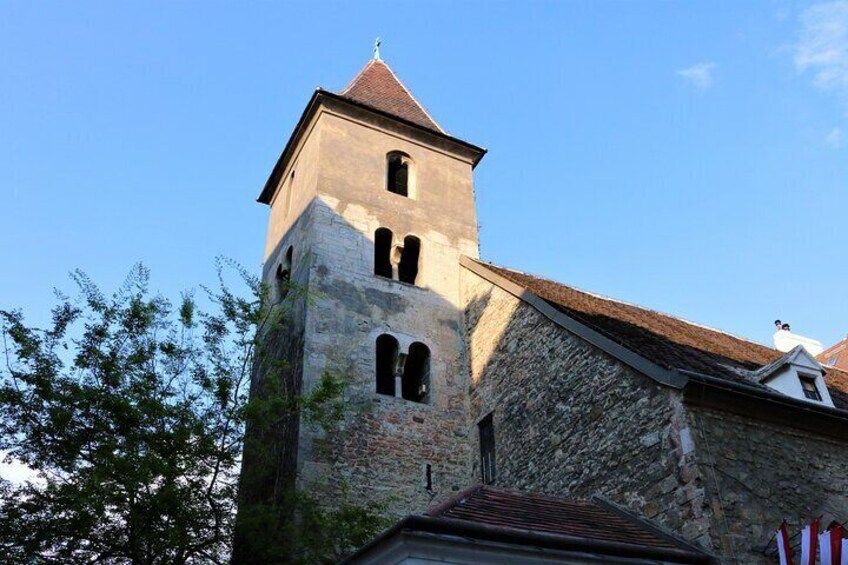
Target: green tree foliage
x,y
131,412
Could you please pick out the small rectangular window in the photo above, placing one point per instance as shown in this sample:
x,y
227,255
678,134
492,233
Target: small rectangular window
x,y
487,449
811,391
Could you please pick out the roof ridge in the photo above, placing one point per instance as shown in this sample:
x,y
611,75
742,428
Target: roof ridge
x,y
377,86
358,77
454,500
630,304
412,96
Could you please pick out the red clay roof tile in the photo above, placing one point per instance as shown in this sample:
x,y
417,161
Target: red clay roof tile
x,y
494,506
667,341
378,87
836,355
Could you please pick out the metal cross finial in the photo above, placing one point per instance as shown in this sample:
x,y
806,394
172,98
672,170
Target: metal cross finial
x,y
377,49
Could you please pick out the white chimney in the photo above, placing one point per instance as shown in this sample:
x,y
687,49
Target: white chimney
x,y
785,340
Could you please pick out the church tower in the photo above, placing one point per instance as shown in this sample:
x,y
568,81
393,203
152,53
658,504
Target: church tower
x,y
371,208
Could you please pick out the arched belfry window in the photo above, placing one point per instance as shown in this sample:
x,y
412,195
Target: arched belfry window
x,y
397,262
387,358
383,252
409,258
399,173
416,373
399,374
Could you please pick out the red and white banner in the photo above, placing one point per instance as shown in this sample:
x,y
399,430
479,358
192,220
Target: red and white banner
x,y
783,549
809,543
831,547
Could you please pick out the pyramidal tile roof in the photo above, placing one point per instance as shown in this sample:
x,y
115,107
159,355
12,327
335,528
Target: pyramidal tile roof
x,y
378,87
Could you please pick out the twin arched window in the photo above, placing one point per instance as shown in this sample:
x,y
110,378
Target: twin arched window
x,y
411,370
397,262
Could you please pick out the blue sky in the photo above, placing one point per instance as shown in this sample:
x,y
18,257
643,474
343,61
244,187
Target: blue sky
x,y
688,157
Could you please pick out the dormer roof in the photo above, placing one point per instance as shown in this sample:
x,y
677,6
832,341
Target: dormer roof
x,y
797,356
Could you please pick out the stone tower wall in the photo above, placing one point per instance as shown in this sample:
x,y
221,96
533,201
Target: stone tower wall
x,y
385,444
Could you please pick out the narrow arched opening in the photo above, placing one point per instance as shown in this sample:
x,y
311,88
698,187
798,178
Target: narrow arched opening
x,y
382,252
409,259
387,357
398,174
415,382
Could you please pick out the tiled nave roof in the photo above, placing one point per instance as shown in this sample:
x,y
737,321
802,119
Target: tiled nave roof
x,y
668,341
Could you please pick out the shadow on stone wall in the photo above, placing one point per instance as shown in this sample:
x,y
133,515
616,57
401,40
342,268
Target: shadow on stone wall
x,y
386,449
569,419
269,462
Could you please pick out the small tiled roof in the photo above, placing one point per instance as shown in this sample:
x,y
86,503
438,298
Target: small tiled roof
x,y
668,341
836,355
494,506
378,87
484,514
837,385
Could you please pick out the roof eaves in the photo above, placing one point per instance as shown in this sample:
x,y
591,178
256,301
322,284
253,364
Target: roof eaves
x,y
627,356
706,390
687,380
656,529
273,179
481,151
270,185
502,534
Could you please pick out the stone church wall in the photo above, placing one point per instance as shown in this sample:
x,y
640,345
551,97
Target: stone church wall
x,y
756,474
570,420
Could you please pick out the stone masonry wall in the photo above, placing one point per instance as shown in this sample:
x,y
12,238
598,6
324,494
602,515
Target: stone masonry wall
x,y
269,463
570,420
384,447
756,474
385,443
